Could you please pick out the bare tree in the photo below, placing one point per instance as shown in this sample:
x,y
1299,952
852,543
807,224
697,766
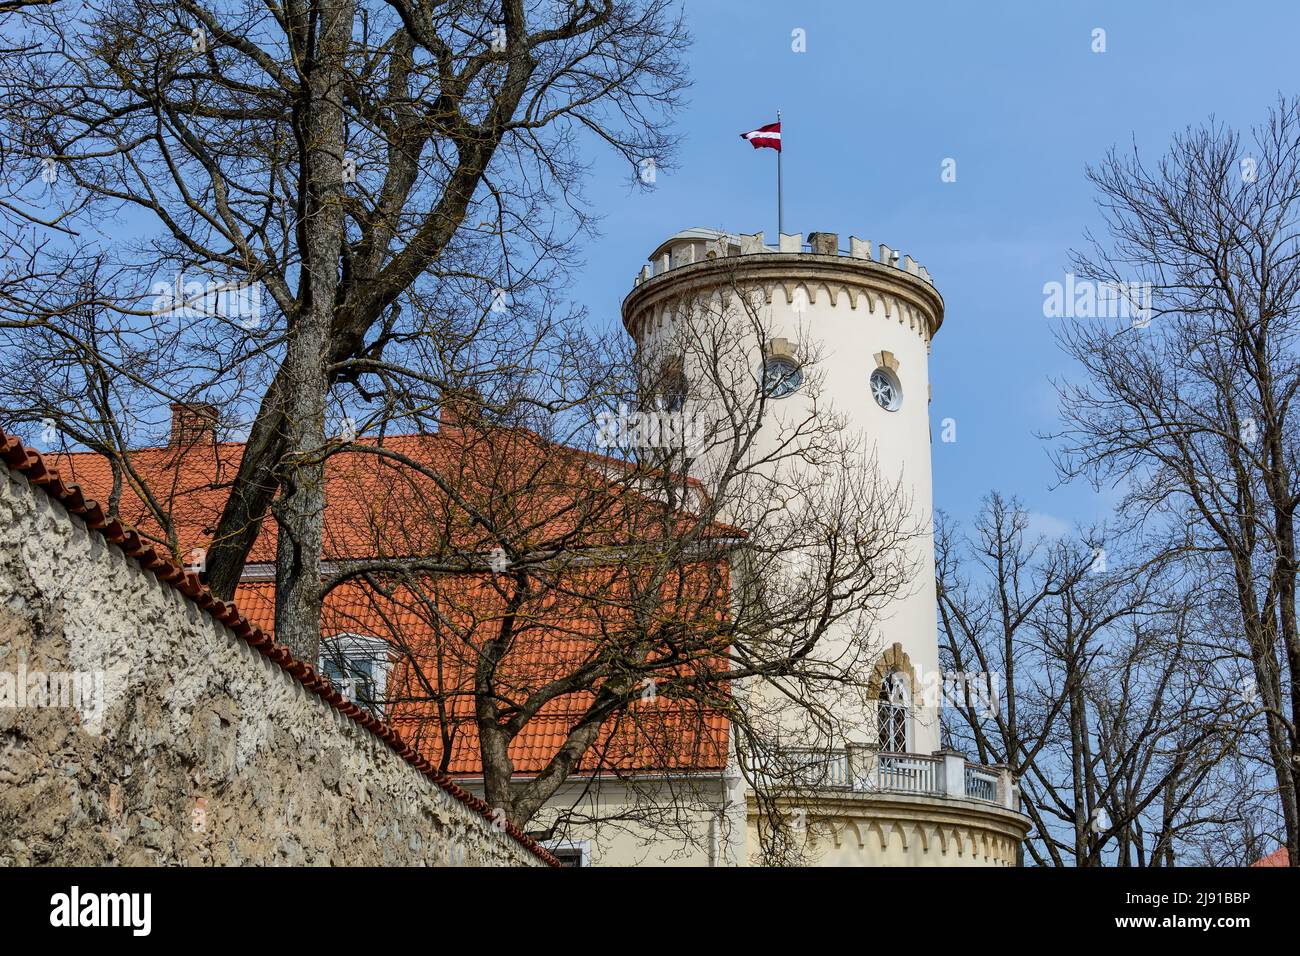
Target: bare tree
x,y
644,566
1115,717
362,165
1190,410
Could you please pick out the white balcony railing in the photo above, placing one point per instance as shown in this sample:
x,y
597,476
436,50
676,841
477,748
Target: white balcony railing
x,y
808,767
863,769
981,784
907,773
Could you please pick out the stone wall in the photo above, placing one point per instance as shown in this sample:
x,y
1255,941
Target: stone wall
x,y
137,728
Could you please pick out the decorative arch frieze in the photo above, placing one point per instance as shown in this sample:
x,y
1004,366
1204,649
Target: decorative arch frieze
x,y
877,301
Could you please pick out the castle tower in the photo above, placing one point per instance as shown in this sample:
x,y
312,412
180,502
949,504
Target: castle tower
x,y
862,326
847,331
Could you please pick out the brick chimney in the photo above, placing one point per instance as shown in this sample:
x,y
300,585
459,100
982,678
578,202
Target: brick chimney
x,y
461,408
193,423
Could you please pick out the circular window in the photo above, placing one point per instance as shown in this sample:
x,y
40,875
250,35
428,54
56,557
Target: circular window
x,y
885,389
781,377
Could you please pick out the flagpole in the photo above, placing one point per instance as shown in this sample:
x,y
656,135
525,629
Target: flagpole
x,y
780,205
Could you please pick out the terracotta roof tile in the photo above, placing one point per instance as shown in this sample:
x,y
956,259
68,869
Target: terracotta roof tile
x,y
376,500
662,734
1276,858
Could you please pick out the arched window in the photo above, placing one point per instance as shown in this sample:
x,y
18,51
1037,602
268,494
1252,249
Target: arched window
x,y
892,713
670,389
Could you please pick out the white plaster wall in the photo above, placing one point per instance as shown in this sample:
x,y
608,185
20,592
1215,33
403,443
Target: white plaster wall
x,y
848,338
647,822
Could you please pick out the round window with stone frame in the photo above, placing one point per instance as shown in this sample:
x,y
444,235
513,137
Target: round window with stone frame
x,y
886,390
781,377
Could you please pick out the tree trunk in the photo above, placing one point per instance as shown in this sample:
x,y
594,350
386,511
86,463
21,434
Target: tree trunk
x,y
251,494
300,509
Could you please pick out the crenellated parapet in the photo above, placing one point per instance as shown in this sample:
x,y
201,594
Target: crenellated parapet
x,y
701,245
703,267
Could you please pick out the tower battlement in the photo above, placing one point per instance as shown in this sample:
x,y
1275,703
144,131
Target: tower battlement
x,y
699,245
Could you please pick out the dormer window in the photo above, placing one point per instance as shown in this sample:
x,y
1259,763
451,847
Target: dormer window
x,y
357,665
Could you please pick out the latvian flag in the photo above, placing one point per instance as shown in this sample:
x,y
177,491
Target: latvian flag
x,y
769,136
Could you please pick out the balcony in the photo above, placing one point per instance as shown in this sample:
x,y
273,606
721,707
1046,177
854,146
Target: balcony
x,y
863,770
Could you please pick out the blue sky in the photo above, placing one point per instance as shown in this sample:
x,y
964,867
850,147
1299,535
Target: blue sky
x,y
884,93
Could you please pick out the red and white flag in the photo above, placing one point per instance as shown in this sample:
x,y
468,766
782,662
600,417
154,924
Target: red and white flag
x,y
769,136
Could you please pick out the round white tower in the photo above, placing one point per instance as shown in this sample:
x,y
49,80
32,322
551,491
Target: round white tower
x,y
847,330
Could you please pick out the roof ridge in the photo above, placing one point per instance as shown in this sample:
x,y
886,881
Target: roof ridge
x,y
31,464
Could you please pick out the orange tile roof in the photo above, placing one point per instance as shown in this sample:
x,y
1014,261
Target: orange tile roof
x,y
380,504
1276,858
430,692
32,465
383,507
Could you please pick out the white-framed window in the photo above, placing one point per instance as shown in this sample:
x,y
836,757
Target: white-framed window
x,y
782,376
892,713
570,852
357,665
886,390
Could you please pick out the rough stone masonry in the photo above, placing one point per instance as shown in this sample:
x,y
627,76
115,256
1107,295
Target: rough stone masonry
x,y
136,729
